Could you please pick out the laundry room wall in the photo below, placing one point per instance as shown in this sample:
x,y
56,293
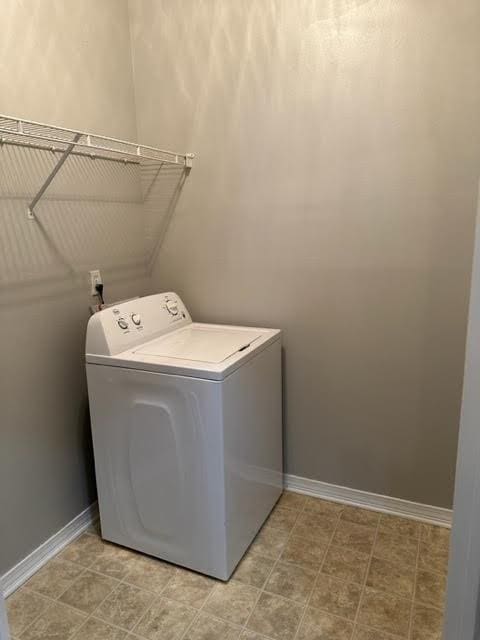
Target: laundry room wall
x,y
68,63
333,196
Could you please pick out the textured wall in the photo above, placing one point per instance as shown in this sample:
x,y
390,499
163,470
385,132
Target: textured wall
x,y
333,196
64,62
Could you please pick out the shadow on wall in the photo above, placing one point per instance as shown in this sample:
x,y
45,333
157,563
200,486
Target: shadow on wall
x,y
95,214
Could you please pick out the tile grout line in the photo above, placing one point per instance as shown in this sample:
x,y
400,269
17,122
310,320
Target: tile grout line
x,y
243,627
52,601
89,568
412,607
307,603
365,579
117,586
262,590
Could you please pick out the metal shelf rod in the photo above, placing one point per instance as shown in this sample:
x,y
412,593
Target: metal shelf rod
x,y
21,121
53,173
82,154
93,147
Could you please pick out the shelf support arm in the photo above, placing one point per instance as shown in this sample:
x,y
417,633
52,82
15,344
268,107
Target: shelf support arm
x,y
53,173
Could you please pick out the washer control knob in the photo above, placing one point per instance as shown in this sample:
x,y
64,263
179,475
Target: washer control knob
x,y
136,319
123,324
172,307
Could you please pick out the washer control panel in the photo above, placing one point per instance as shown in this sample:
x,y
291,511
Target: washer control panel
x,y
125,325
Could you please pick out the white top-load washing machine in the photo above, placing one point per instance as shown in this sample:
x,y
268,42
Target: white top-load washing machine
x,y
187,431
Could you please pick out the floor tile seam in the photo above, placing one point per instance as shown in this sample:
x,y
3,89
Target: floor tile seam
x,y
56,598
319,572
134,631
50,602
260,591
389,636
441,574
412,607
272,570
365,578
117,587
155,595
199,613
92,616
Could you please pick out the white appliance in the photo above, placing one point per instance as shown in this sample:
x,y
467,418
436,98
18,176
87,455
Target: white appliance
x,y
187,431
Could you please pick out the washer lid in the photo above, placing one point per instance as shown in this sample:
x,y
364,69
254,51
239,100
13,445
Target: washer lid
x,y
200,344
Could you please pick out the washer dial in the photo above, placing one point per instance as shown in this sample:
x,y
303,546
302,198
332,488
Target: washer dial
x,y
172,307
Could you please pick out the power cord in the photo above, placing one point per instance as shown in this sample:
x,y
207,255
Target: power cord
x,y
99,290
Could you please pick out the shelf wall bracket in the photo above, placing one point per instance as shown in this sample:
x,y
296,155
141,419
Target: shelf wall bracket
x,y
50,178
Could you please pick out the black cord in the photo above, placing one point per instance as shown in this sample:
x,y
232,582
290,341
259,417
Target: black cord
x,y
99,290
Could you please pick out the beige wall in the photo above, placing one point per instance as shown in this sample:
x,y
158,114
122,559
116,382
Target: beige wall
x,y
64,62
333,196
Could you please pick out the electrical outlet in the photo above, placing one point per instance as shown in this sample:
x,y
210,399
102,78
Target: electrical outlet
x,y
95,278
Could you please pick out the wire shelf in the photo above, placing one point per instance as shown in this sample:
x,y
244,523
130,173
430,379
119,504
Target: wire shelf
x,y
66,142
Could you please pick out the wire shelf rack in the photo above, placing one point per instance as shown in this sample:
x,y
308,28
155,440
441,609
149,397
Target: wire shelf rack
x,y
66,142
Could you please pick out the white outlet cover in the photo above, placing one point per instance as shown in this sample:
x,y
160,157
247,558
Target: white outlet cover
x,y
95,278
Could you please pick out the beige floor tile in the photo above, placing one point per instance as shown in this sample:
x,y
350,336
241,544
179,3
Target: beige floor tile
x,y
435,535
359,516
399,526
208,628
269,542
189,588
427,623
346,564
251,635
125,606
354,536
362,633
433,557
314,527
292,500
336,596
148,573
58,622
254,569
275,617
391,577
94,629
84,550
304,552
22,609
283,519
232,601
384,612
401,549
291,581
322,507
115,561
320,625
88,591
165,620
431,588
54,577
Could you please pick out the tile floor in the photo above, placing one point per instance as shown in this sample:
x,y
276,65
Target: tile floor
x,y
316,571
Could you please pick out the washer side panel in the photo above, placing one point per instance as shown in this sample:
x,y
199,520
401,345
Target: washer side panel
x,y
159,464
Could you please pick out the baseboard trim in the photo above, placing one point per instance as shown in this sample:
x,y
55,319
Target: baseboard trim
x,y
21,572
355,497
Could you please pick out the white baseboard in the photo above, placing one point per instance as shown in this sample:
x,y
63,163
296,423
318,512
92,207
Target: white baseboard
x,y
385,504
22,571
